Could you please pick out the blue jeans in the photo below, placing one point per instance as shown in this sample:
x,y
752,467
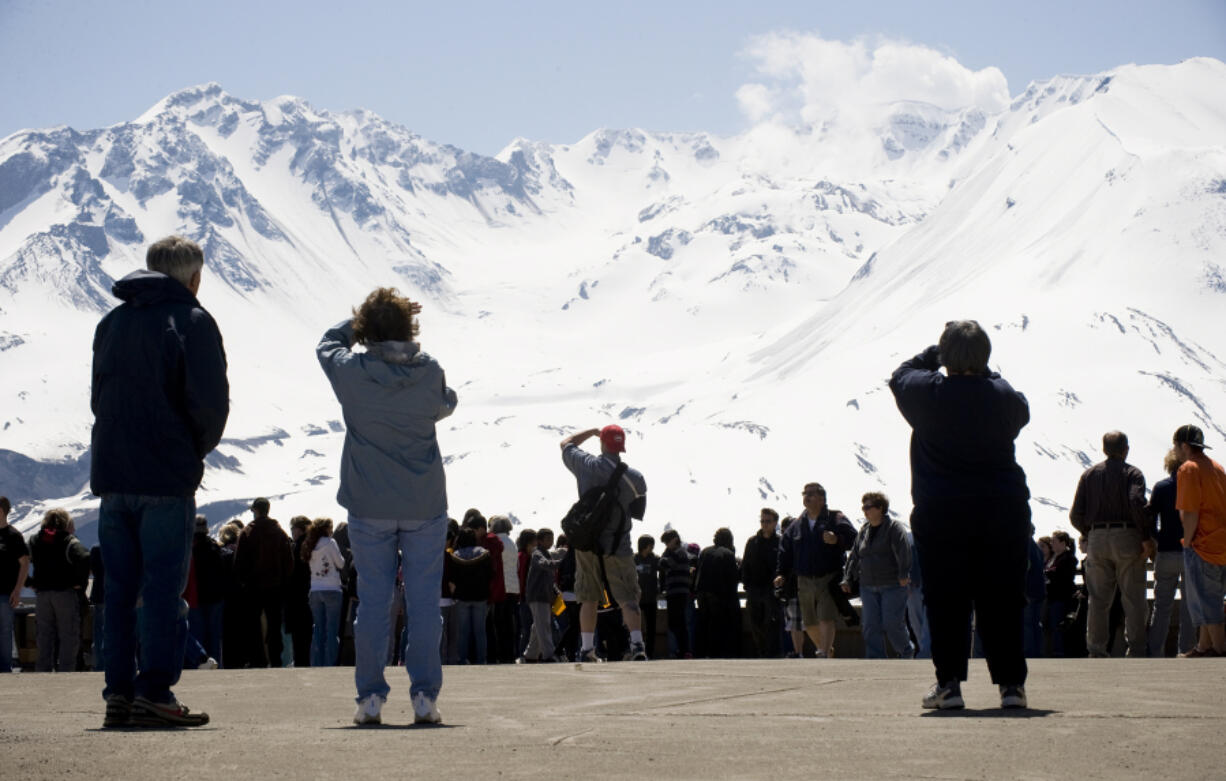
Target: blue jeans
x,y
99,619
205,624
470,616
6,635
1032,628
917,616
421,545
882,615
146,548
325,640
1168,573
1204,589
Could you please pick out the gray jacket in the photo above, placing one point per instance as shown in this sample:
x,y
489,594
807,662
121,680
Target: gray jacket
x,y
391,397
879,558
540,583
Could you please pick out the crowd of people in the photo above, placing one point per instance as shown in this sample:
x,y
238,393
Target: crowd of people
x,y
413,587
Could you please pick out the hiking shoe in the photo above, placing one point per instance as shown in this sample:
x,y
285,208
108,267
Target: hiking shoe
x,y
1012,696
208,664
118,712
147,713
425,711
590,656
638,652
368,711
944,696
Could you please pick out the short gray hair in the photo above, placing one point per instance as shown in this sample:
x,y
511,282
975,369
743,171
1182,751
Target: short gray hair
x,y
176,257
500,524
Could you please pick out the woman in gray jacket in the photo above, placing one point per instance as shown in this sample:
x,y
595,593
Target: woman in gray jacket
x,y
881,561
393,486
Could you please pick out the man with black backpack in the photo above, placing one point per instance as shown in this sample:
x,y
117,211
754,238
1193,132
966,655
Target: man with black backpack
x,y
611,494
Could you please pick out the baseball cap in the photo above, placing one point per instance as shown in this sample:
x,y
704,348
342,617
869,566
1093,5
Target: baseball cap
x,y
1190,435
613,439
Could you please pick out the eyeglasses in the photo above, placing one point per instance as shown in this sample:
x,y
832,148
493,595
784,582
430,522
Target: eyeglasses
x,y
868,507
813,493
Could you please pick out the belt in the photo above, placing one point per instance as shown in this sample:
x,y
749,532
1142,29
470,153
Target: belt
x,y
1111,526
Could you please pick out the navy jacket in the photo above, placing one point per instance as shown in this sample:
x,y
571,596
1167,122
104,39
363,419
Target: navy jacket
x,y
1168,529
962,431
803,552
160,397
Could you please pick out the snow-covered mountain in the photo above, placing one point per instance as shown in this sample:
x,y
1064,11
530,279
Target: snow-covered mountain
x,y
735,303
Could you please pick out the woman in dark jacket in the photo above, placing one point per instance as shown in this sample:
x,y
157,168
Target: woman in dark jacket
x,y
471,570
1059,575
61,570
880,560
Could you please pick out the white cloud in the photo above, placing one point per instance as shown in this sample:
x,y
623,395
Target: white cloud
x,y
806,79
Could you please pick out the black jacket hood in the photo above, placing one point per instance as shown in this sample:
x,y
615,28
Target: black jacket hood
x,y
146,288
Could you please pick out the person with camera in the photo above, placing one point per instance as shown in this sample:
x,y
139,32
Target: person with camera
x,y
394,487
618,573
971,513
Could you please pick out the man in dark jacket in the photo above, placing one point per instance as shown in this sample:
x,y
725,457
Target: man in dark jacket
x,y
758,575
971,515
1109,511
719,612
160,400
264,559
676,579
814,548
299,622
647,564
205,619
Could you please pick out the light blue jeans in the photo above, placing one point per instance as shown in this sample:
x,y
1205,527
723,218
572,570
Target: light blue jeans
x,y
326,613
1168,573
375,543
882,613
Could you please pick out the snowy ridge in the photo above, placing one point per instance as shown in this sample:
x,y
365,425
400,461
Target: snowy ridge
x,y
736,303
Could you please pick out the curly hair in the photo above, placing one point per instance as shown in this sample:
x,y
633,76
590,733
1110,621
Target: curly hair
x,y
57,519
385,316
320,527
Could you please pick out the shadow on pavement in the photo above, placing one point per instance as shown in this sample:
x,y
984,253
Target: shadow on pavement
x,y
989,713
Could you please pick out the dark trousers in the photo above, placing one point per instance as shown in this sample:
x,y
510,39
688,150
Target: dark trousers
x,y
649,610
265,640
504,617
569,642
301,627
765,620
973,556
719,627
677,621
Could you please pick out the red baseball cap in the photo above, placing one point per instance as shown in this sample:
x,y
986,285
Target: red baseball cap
x,y
613,439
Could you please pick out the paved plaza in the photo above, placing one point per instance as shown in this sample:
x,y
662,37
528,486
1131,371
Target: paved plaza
x,y
770,719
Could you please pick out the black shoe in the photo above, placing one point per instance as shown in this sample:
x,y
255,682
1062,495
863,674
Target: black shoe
x,y
146,713
118,712
944,696
638,652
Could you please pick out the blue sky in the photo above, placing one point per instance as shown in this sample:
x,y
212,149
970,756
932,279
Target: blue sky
x,y
478,74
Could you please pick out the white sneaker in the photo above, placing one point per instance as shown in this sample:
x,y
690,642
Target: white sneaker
x,y
425,710
208,664
368,711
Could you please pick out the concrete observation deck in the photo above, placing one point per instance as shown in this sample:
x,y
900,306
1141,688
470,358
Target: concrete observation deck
x,y
775,719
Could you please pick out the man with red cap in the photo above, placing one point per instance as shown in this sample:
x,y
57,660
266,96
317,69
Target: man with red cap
x,y
592,471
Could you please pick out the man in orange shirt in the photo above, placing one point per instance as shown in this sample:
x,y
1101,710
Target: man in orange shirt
x,y
1201,501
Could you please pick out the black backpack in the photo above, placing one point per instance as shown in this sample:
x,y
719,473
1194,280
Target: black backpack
x,y
593,513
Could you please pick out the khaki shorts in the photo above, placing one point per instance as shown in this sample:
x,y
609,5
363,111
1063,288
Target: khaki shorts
x,y
623,578
816,601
